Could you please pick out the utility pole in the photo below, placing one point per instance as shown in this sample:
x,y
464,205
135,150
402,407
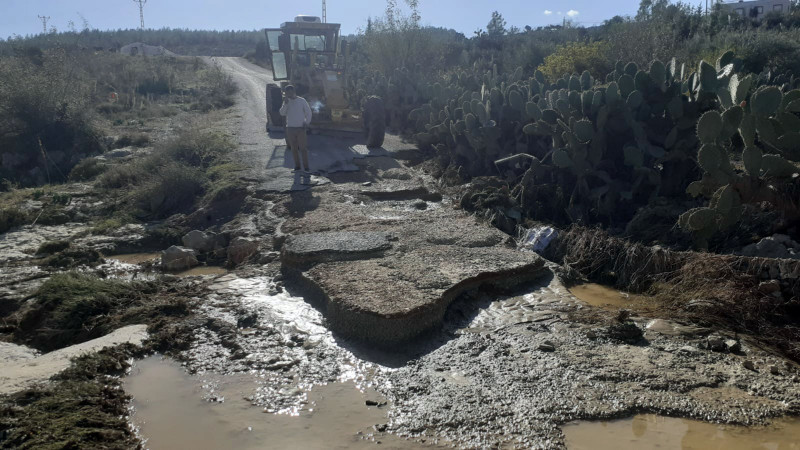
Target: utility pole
x,y
44,20
141,11
324,12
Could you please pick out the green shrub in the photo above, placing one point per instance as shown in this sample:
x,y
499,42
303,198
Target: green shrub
x,y
50,247
87,169
132,140
70,308
171,190
575,58
11,217
196,147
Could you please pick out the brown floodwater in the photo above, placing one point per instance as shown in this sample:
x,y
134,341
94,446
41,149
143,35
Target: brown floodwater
x,y
135,258
170,413
140,258
603,296
202,271
647,431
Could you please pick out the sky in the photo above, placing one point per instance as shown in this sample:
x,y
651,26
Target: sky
x,y
21,16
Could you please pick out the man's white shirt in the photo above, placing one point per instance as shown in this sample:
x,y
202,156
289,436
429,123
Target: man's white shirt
x,y
297,112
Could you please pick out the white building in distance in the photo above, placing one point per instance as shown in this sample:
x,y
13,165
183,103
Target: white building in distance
x,y
756,9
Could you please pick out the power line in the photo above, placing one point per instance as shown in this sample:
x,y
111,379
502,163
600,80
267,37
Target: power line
x,y
141,11
44,20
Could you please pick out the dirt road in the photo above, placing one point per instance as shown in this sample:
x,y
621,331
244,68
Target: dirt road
x,y
265,155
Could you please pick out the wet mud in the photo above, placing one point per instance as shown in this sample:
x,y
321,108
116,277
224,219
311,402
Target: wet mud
x,y
172,409
647,431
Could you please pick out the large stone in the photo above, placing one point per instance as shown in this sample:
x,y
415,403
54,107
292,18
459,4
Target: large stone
x,y
334,246
768,247
396,298
203,241
178,258
241,249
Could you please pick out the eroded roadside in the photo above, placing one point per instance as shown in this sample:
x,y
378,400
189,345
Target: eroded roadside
x,y
504,359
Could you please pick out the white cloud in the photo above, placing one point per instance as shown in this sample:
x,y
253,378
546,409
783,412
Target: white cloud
x,y
572,13
547,12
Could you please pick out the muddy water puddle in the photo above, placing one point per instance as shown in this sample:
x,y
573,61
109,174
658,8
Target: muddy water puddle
x,y
170,412
203,271
135,258
142,258
648,431
603,296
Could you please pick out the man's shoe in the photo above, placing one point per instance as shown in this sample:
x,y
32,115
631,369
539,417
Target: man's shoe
x,y
296,169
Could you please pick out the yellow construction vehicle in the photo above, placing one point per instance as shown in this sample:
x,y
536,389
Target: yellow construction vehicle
x,y
311,56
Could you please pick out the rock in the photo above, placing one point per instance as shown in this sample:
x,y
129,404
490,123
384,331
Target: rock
x,y
674,329
119,153
774,370
626,332
178,258
689,350
420,204
547,346
366,183
203,241
733,346
749,365
769,247
716,343
769,287
240,249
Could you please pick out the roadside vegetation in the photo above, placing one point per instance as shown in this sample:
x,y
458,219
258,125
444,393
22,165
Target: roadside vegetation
x,y
668,141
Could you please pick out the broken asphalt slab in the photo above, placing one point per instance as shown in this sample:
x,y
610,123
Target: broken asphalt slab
x,y
394,299
334,246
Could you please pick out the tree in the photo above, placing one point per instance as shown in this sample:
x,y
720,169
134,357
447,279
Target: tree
x,y
496,26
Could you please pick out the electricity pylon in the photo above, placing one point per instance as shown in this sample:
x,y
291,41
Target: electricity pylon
x,y
141,11
324,12
44,20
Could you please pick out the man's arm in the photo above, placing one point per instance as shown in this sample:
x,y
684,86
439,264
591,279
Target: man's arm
x,y
307,112
284,107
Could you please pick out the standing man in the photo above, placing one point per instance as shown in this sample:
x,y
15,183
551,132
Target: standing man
x,y
298,118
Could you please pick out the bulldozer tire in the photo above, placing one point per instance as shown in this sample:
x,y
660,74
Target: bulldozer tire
x,y
274,101
374,121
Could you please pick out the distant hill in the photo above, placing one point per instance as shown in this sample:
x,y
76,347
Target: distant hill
x,y
180,41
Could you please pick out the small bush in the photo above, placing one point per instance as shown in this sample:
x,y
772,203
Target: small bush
x,y
71,307
220,88
173,189
132,140
575,58
10,218
87,169
50,247
105,226
74,257
197,148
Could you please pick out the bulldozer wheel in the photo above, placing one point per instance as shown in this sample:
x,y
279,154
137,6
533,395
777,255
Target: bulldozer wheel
x,y
374,121
274,101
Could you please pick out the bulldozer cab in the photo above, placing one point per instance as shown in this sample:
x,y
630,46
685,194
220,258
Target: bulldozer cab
x,y
311,56
307,54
